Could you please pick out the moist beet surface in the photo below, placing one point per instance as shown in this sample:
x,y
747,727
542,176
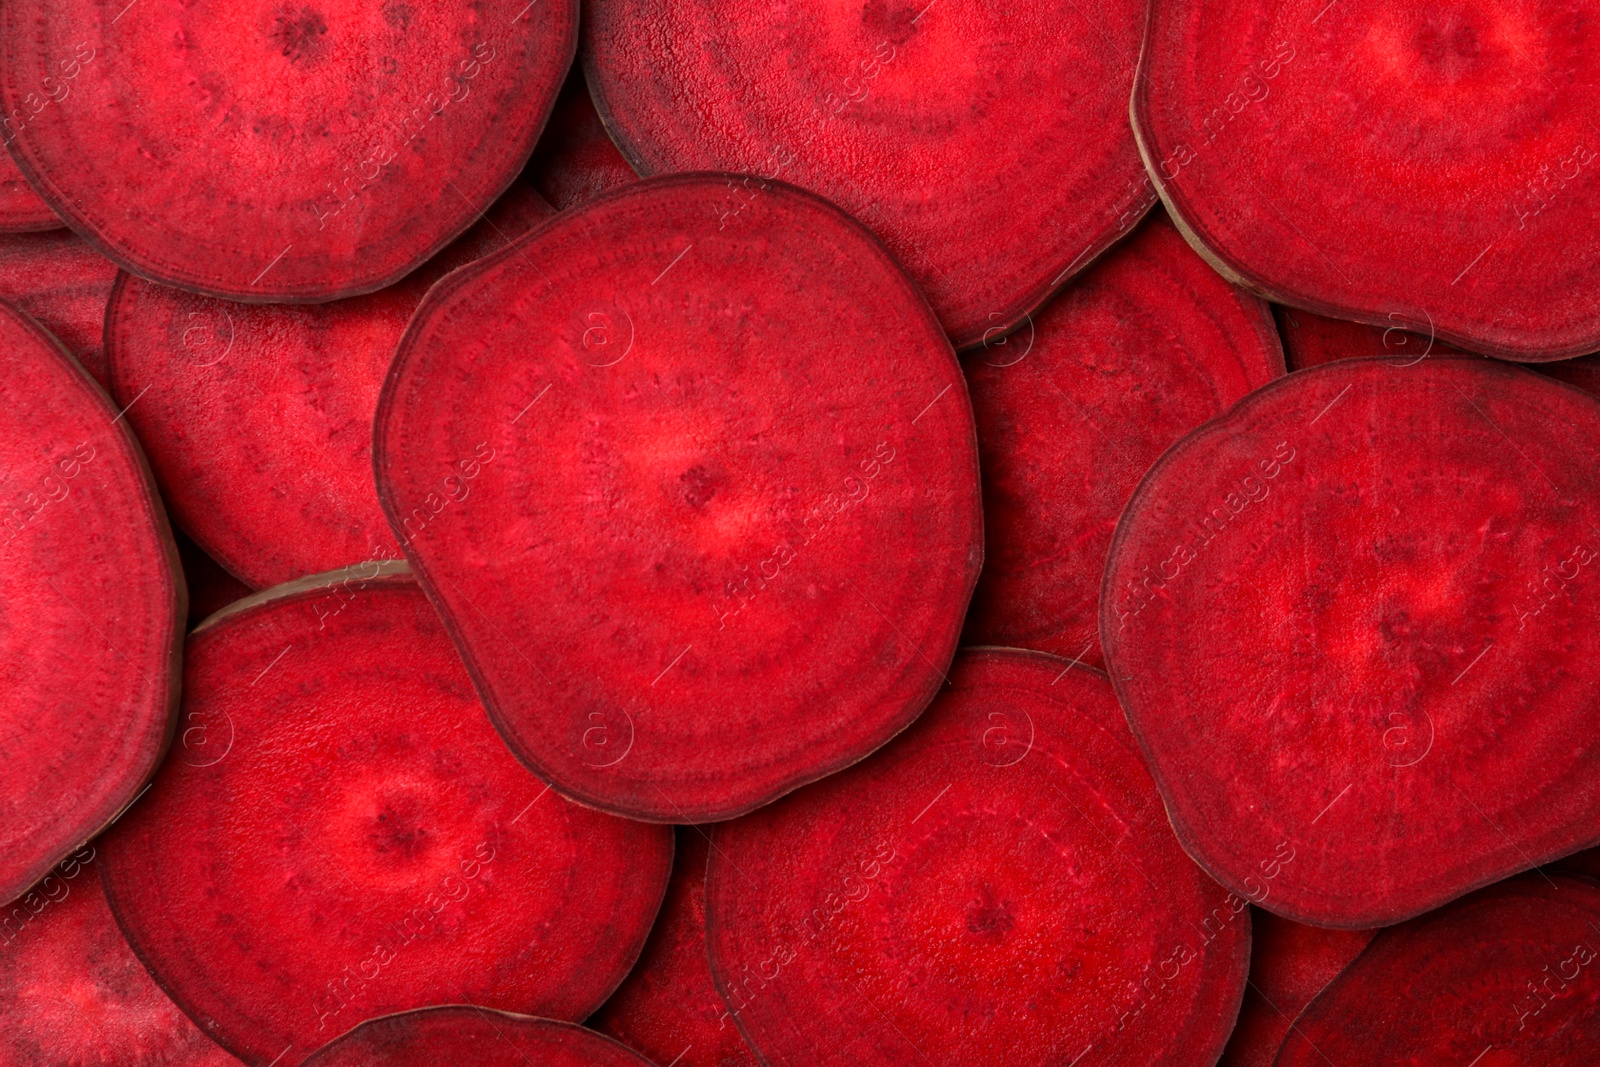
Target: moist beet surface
x,y
998,886
575,159
1072,411
64,284
1344,619
698,499
339,835
1311,340
454,1036
21,209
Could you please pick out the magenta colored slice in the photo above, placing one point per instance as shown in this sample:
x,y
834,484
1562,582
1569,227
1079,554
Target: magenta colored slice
x,y
64,284
1504,978
1346,616
575,160
999,886
1384,163
258,418
1073,409
21,209
271,152
695,553
987,145
339,835
456,1036
1312,340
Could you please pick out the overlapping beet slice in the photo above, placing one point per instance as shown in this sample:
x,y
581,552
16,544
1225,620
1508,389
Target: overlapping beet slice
x,y
1367,161
1311,340
270,152
987,145
64,284
92,628
1344,617
575,159
454,1035
258,418
211,587
1503,978
340,835
694,551
1073,410
1583,372
21,209
998,886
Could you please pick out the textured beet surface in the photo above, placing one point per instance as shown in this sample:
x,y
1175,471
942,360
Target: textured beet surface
x,y
258,418
456,1036
339,835
1382,162
575,159
988,145
668,1008
1505,978
1073,410
265,151
21,209
698,498
1325,614
998,886
63,283
93,602
1312,340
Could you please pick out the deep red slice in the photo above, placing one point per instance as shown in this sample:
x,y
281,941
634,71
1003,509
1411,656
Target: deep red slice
x,y
1345,615
269,152
1073,410
575,159
64,284
1586,862
91,608
258,418
340,835
74,993
1312,340
698,500
999,886
211,587
1390,164
668,1008
1504,978
1584,372
457,1035
21,209
988,145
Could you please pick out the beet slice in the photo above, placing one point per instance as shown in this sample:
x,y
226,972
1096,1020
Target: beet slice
x,y
21,209
1312,340
76,994
1586,862
64,284
1583,372
93,601
1503,978
265,152
211,587
454,1035
1072,412
705,559
340,835
258,418
668,1008
998,886
989,149
575,159
1341,617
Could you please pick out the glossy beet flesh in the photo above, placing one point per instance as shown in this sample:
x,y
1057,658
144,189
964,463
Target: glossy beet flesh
x,y
697,498
1348,616
64,284
454,1036
998,886
575,159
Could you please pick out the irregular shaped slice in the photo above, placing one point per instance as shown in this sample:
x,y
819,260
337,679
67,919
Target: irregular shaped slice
x,y
706,557
340,835
575,159
93,602
453,1035
667,1008
1325,159
1312,340
211,588
258,418
64,284
896,913
1072,412
988,145
1346,615
1507,975
77,996
268,152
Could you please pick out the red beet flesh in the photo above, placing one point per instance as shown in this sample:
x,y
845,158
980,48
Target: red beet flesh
x,y
211,587
693,555
576,160
455,1036
1312,340
998,886
21,209
64,284
1073,410
1322,612
340,835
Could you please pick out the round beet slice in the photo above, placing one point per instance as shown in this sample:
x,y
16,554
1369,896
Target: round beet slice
x,y
699,502
271,152
21,209
1344,615
64,284
575,159
668,1008
1312,340
454,1035
1503,978
91,633
988,145
1073,410
1422,164
998,886
340,835
258,418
